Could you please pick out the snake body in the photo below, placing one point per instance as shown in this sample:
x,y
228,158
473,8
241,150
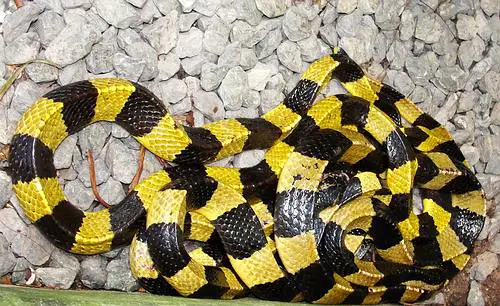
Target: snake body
x,y
325,217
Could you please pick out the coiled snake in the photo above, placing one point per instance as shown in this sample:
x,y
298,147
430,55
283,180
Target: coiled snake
x,y
325,217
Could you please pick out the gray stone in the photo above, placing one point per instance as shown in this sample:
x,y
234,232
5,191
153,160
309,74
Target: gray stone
x,y
296,26
346,6
193,85
234,88
93,138
61,278
187,5
231,56
328,34
163,33
93,272
102,172
310,49
475,296
64,153
243,113
79,15
137,3
190,43
119,132
118,13
451,78
289,55
403,83
408,22
48,25
387,14
276,82
273,8
137,48
75,3
79,195
247,10
485,145
248,158
348,25
216,37
329,13
495,114
100,58
119,275
471,51
22,49
173,90
168,65
8,260
192,65
248,59
209,104
32,245
207,7
5,188
495,245
186,21
487,262
40,72
166,6
483,25
492,84
466,27
121,161
72,43
429,28
63,259
212,75
467,100
493,165
227,13
398,53
477,72
490,7
25,94
11,224
149,12
471,153
17,23
252,100
73,72
269,99
447,111
22,272
259,76
181,107
111,191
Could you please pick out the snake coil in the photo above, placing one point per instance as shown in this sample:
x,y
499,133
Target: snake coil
x,y
326,217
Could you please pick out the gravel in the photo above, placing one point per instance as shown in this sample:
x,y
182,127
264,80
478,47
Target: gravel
x,y
220,60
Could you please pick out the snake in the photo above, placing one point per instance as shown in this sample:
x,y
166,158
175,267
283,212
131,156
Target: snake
x,y
361,198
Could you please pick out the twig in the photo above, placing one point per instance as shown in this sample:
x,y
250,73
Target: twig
x,y
140,166
18,72
90,159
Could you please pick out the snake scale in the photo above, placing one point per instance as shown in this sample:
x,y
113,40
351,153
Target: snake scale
x,y
326,217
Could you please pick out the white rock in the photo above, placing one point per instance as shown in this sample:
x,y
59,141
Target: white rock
x,y
163,33
259,76
173,90
234,88
190,43
56,277
209,104
118,13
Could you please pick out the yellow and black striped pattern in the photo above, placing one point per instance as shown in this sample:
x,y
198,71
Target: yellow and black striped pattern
x,y
326,217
